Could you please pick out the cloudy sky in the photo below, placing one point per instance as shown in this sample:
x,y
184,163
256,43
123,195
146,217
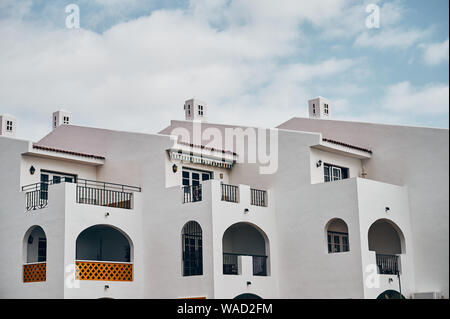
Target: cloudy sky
x,y
132,63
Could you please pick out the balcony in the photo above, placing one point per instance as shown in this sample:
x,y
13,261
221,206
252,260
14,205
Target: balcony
x,y
87,192
229,193
192,193
231,264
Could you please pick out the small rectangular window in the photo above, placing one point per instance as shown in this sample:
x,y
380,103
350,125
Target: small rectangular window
x,y
334,173
42,249
9,126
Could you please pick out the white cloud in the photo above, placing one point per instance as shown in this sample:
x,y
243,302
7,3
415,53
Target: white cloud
x,y
136,75
391,38
431,100
436,53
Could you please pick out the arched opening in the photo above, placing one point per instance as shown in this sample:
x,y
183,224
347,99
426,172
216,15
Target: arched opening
x,y
35,255
104,252
387,240
247,296
390,294
191,239
337,236
245,239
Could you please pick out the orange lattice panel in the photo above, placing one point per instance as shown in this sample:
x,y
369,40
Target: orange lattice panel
x,y
34,272
90,270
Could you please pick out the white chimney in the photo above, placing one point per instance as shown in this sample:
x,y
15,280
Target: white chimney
x,y
195,110
8,125
319,108
61,117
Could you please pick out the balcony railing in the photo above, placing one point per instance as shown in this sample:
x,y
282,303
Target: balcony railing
x,y
258,197
230,193
231,267
34,272
192,193
87,192
103,271
387,264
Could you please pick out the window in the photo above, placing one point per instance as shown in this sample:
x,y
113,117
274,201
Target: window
x,y
200,110
9,126
325,108
314,108
192,249
334,173
66,120
49,177
337,242
337,236
194,177
42,249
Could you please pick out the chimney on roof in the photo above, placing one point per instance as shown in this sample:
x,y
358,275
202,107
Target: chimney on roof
x,y
61,117
195,110
319,108
8,124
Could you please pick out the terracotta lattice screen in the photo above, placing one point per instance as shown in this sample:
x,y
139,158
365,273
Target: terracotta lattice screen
x,y
91,270
34,272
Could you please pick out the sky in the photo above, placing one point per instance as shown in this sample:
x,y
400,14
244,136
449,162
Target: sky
x,y
132,63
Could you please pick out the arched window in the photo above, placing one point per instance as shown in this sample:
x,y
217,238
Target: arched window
x,y
191,237
36,245
35,255
337,236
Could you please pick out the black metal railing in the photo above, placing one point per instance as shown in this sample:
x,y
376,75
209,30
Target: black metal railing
x,y
192,193
387,264
230,193
258,197
87,192
231,267
36,199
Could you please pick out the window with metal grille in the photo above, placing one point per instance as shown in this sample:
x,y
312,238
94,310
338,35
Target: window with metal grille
x,y
192,249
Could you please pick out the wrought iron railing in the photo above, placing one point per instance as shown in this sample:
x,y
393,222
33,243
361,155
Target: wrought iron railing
x,y
230,193
231,267
87,192
387,264
192,193
258,197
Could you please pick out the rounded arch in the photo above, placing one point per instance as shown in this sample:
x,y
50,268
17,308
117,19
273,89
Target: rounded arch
x,y
192,249
337,237
385,237
35,245
247,296
245,239
390,294
104,243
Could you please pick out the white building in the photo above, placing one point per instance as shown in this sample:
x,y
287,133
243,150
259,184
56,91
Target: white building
x,y
350,210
